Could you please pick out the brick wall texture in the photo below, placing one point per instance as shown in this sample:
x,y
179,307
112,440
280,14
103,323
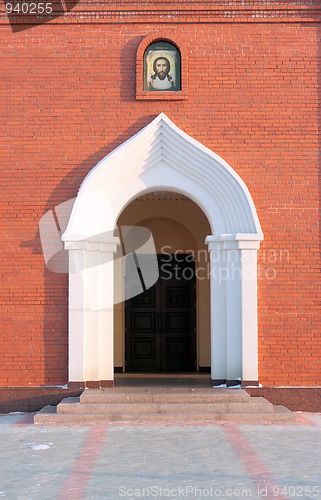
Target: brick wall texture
x,y
68,98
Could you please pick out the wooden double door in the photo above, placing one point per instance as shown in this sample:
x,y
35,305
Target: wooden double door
x,y
161,322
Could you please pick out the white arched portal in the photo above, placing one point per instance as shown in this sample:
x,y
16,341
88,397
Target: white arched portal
x,y
161,157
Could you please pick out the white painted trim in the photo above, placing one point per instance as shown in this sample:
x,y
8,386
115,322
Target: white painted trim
x,y
234,319
161,157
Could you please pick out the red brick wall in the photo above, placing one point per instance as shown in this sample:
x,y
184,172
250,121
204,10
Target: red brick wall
x,y
68,97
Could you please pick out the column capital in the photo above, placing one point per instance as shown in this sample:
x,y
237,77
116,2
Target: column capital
x,y
237,241
98,243
214,243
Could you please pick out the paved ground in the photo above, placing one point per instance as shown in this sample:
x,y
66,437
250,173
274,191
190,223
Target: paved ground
x,y
159,462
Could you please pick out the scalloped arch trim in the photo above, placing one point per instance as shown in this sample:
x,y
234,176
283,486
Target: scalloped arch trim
x,y
161,157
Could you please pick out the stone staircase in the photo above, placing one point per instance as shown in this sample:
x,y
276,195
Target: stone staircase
x,y
157,405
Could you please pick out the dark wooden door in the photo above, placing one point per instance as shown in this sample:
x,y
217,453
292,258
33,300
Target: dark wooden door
x,y
160,323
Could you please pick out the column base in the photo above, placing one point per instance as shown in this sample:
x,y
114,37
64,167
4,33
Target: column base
x,y
232,383
250,383
91,384
218,381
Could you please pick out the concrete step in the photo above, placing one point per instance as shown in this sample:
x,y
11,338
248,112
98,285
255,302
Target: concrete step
x,y
156,405
161,395
49,415
72,405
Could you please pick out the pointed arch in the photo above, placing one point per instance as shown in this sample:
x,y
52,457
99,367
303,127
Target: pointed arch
x,y
161,157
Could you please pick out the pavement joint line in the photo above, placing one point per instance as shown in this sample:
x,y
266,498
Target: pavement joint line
x,y
75,485
301,421
251,460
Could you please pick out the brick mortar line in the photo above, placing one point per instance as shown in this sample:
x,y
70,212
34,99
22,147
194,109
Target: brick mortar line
x,y
170,8
216,4
164,21
179,16
183,12
90,7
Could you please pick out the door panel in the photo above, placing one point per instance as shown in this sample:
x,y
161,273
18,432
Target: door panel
x,y
143,322
160,323
177,296
142,339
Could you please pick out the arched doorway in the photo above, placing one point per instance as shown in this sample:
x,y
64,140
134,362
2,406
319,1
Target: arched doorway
x,y
167,328
161,157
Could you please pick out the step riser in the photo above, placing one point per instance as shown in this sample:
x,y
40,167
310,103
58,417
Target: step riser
x,y
162,398
165,419
164,406
179,409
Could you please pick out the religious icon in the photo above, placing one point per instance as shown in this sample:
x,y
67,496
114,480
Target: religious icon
x,y
162,67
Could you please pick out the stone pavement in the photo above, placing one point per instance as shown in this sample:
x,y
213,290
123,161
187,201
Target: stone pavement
x,y
224,460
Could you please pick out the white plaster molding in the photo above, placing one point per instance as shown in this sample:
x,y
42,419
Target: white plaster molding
x,y
234,335
218,313
161,157
249,316
91,244
235,241
91,313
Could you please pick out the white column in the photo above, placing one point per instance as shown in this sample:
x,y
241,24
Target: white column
x,y
233,311
76,316
218,309
234,328
242,331
250,311
105,346
91,301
